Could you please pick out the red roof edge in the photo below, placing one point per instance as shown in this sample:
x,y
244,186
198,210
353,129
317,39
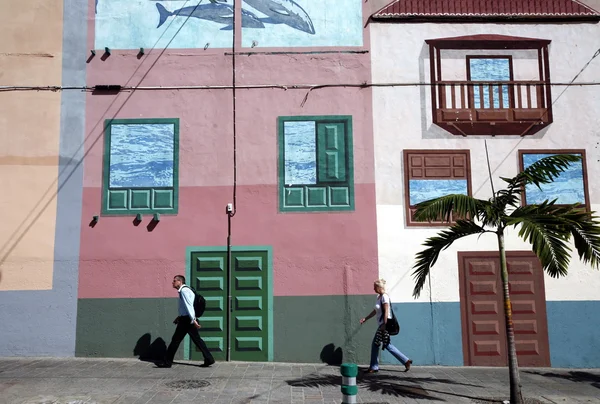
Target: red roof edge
x,y
483,10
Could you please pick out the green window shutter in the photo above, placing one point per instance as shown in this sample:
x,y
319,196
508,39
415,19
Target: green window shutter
x,y
331,152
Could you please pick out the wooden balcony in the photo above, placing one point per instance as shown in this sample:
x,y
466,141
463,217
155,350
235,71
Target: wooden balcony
x,y
478,108
490,108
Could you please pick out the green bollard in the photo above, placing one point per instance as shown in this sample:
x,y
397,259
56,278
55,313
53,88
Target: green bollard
x,y
349,372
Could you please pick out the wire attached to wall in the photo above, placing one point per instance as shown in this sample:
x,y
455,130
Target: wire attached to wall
x,y
234,82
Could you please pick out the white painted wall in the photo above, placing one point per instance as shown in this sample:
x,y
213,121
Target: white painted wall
x,y
402,120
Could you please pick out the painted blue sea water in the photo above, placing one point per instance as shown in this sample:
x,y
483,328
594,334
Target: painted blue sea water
x,y
305,23
141,155
300,151
495,69
568,188
424,190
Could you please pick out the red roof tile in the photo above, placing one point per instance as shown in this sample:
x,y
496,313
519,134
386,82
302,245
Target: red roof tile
x,y
483,9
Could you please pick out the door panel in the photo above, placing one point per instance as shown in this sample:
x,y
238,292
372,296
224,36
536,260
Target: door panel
x,y
251,296
482,307
209,275
249,332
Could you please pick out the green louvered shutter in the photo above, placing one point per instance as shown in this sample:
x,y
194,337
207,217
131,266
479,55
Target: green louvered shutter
x,y
331,152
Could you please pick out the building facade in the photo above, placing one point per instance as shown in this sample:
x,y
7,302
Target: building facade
x,y
271,151
502,76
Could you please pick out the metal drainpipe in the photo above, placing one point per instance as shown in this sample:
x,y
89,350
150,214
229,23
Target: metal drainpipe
x,y
229,302
231,209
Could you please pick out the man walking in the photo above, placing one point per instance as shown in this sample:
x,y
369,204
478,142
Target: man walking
x,y
186,324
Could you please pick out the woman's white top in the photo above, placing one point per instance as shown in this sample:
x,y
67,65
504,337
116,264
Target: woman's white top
x,y
378,313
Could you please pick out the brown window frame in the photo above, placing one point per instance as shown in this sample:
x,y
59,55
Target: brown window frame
x,y
407,177
471,89
586,191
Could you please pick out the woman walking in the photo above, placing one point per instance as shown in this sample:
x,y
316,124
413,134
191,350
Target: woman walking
x,y
384,313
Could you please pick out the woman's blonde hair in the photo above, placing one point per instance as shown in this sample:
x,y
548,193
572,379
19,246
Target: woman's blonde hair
x,y
380,283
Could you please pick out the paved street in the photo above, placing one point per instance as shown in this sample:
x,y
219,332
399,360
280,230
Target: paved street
x,y
104,381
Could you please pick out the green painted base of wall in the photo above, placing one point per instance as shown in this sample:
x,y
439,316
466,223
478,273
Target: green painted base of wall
x,y
125,327
315,329
308,329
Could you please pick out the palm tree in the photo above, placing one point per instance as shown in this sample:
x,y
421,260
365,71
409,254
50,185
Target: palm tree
x,y
548,227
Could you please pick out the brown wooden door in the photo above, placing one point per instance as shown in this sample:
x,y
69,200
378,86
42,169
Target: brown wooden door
x,y
482,309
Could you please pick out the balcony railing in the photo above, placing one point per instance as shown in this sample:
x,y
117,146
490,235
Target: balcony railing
x,y
491,107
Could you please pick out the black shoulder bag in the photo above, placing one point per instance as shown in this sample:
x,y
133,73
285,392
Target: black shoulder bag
x,y
391,326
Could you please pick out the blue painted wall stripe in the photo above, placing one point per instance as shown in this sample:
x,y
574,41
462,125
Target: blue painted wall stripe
x,y
440,344
573,334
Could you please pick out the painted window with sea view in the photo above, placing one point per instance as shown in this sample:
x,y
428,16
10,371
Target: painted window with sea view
x,y
315,163
569,188
490,70
430,174
140,166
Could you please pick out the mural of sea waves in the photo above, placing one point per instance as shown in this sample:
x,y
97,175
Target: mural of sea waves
x,y
131,24
568,188
141,155
425,190
300,153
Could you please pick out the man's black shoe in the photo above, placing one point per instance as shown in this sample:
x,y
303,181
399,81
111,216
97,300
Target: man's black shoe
x,y
163,365
207,363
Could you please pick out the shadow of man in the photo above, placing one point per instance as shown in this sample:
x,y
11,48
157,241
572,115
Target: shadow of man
x,y
150,352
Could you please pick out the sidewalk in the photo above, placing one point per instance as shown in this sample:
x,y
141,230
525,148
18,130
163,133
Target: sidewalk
x,y
131,381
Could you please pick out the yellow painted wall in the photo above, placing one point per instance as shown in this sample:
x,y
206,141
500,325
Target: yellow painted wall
x,y
30,55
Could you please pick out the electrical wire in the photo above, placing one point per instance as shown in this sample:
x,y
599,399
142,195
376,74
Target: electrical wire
x,y
266,86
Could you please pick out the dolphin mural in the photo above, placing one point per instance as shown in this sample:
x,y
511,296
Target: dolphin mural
x,y
215,12
286,12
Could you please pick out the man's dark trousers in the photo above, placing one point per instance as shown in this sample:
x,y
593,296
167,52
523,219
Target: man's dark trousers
x,y
185,327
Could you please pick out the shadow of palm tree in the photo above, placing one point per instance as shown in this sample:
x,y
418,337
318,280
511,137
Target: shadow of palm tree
x,y
575,376
391,385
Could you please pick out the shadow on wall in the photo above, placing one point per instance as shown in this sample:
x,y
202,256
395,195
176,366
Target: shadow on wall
x,y
150,352
331,355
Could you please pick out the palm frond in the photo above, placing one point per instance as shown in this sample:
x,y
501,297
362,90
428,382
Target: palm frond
x,y
543,227
426,258
585,230
442,208
543,171
507,197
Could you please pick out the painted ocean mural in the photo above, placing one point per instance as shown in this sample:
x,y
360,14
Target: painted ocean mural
x,y
495,69
424,190
131,24
300,151
134,24
568,188
305,23
141,155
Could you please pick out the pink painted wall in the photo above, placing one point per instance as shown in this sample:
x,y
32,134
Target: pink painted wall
x,y
312,251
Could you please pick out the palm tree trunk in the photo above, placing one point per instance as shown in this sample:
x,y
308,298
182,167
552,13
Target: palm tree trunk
x,y
515,382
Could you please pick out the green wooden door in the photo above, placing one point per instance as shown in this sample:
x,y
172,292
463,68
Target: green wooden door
x,y
251,292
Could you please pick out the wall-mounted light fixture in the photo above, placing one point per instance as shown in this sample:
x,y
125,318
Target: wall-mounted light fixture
x,y
93,52
138,217
156,217
142,51
107,50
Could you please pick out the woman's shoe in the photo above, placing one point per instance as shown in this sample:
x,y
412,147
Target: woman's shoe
x,y
371,370
407,365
